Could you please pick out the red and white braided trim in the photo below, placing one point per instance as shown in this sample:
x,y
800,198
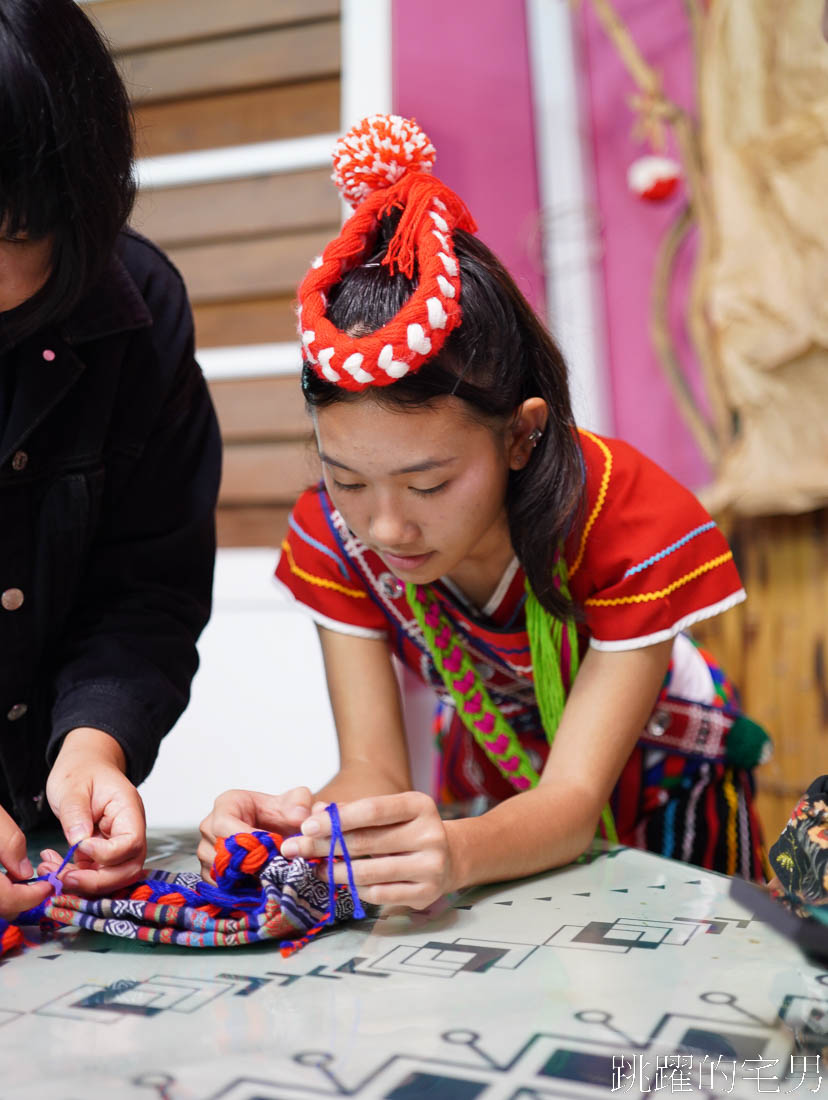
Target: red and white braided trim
x,y
414,335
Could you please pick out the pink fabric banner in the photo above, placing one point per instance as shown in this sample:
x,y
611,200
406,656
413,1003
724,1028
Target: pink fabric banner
x,y
631,229
461,70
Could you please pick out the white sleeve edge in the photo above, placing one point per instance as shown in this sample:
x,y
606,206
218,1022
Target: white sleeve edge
x,y
324,620
671,631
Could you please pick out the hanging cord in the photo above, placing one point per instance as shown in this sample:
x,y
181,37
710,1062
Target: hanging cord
x,y
290,947
336,835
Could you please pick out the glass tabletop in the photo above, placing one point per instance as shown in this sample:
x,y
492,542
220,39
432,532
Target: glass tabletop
x,y
625,974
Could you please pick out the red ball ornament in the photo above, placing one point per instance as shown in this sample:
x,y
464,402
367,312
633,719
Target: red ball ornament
x,y
653,178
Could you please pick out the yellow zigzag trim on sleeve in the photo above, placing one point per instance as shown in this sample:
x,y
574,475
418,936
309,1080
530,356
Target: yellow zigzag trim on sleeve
x,y
645,597
320,582
599,503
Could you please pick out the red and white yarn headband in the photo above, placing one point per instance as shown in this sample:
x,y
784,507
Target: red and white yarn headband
x,y
381,164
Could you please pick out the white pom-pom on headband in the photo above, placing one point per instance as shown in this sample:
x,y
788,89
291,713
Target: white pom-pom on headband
x,y
377,153
381,164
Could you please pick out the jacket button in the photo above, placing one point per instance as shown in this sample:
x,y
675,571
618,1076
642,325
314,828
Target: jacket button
x,y
11,599
19,461
17,711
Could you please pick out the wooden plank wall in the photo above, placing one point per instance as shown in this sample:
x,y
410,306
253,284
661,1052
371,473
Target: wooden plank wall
x,y
774,648
206,74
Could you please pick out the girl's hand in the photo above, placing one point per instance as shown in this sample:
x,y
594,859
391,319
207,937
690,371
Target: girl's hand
x,y
411,860
244,811
16,897
96,804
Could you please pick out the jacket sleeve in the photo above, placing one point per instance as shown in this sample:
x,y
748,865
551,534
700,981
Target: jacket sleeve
x,y
128,652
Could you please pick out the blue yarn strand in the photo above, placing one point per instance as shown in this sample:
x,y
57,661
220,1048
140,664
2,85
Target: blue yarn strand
x,y
226,897
336,835
53,878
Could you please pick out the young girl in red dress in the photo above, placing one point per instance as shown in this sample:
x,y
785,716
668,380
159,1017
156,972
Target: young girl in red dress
x,y
538,576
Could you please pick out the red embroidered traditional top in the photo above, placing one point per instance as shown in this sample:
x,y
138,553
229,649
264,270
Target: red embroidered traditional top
x,y
647,562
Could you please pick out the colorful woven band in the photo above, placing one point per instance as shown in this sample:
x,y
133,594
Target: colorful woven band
x,y
475,706
472,701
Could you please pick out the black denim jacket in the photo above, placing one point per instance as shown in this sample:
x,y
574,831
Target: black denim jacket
x,y
109,470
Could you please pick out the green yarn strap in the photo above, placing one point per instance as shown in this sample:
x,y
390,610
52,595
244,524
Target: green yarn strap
x,y
546,647
474,705
545,644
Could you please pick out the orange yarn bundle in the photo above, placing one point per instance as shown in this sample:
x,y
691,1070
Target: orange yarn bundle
x,y
383,164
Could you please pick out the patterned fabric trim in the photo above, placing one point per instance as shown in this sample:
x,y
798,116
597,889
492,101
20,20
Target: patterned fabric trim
x,y
670,549
323,620
690,728
676,628
646,597
320,546
321,582
281,899
599,502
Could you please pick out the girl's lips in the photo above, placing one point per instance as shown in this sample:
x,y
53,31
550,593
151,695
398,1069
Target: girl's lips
x,y
404,563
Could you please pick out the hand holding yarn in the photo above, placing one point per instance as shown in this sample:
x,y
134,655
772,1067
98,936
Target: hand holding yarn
x,y
96,804
237,811
16,896
411,858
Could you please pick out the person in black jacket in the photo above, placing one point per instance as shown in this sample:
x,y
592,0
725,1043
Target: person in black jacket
x,y
109,464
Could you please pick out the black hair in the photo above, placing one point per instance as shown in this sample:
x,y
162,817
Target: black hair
x,y
66,146
498,356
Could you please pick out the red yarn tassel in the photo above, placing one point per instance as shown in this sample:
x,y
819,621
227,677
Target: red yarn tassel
x,y
11,938
414,194
290,947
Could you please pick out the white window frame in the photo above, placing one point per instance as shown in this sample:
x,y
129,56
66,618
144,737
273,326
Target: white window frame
x,y
571,246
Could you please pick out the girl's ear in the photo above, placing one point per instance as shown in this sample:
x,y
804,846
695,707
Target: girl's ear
x,y
526,431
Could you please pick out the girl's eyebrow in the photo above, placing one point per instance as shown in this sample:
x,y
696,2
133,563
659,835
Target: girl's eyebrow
x,y
418,467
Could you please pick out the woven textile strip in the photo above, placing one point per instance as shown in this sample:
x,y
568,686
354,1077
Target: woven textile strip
x,y
474,705
259,895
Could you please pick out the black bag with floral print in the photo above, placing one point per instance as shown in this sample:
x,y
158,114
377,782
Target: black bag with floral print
x,y
800,855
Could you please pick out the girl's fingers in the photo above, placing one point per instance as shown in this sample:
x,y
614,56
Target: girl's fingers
x,y
394,881
213,828
379,841
371,872
274,812
386,809
16,898
101,881
371,814
206,854
112,851
415,895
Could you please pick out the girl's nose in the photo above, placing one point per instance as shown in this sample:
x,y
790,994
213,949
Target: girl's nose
x,y
390,528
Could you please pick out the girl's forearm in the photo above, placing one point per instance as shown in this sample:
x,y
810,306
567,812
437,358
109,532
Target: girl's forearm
x,y
528,833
